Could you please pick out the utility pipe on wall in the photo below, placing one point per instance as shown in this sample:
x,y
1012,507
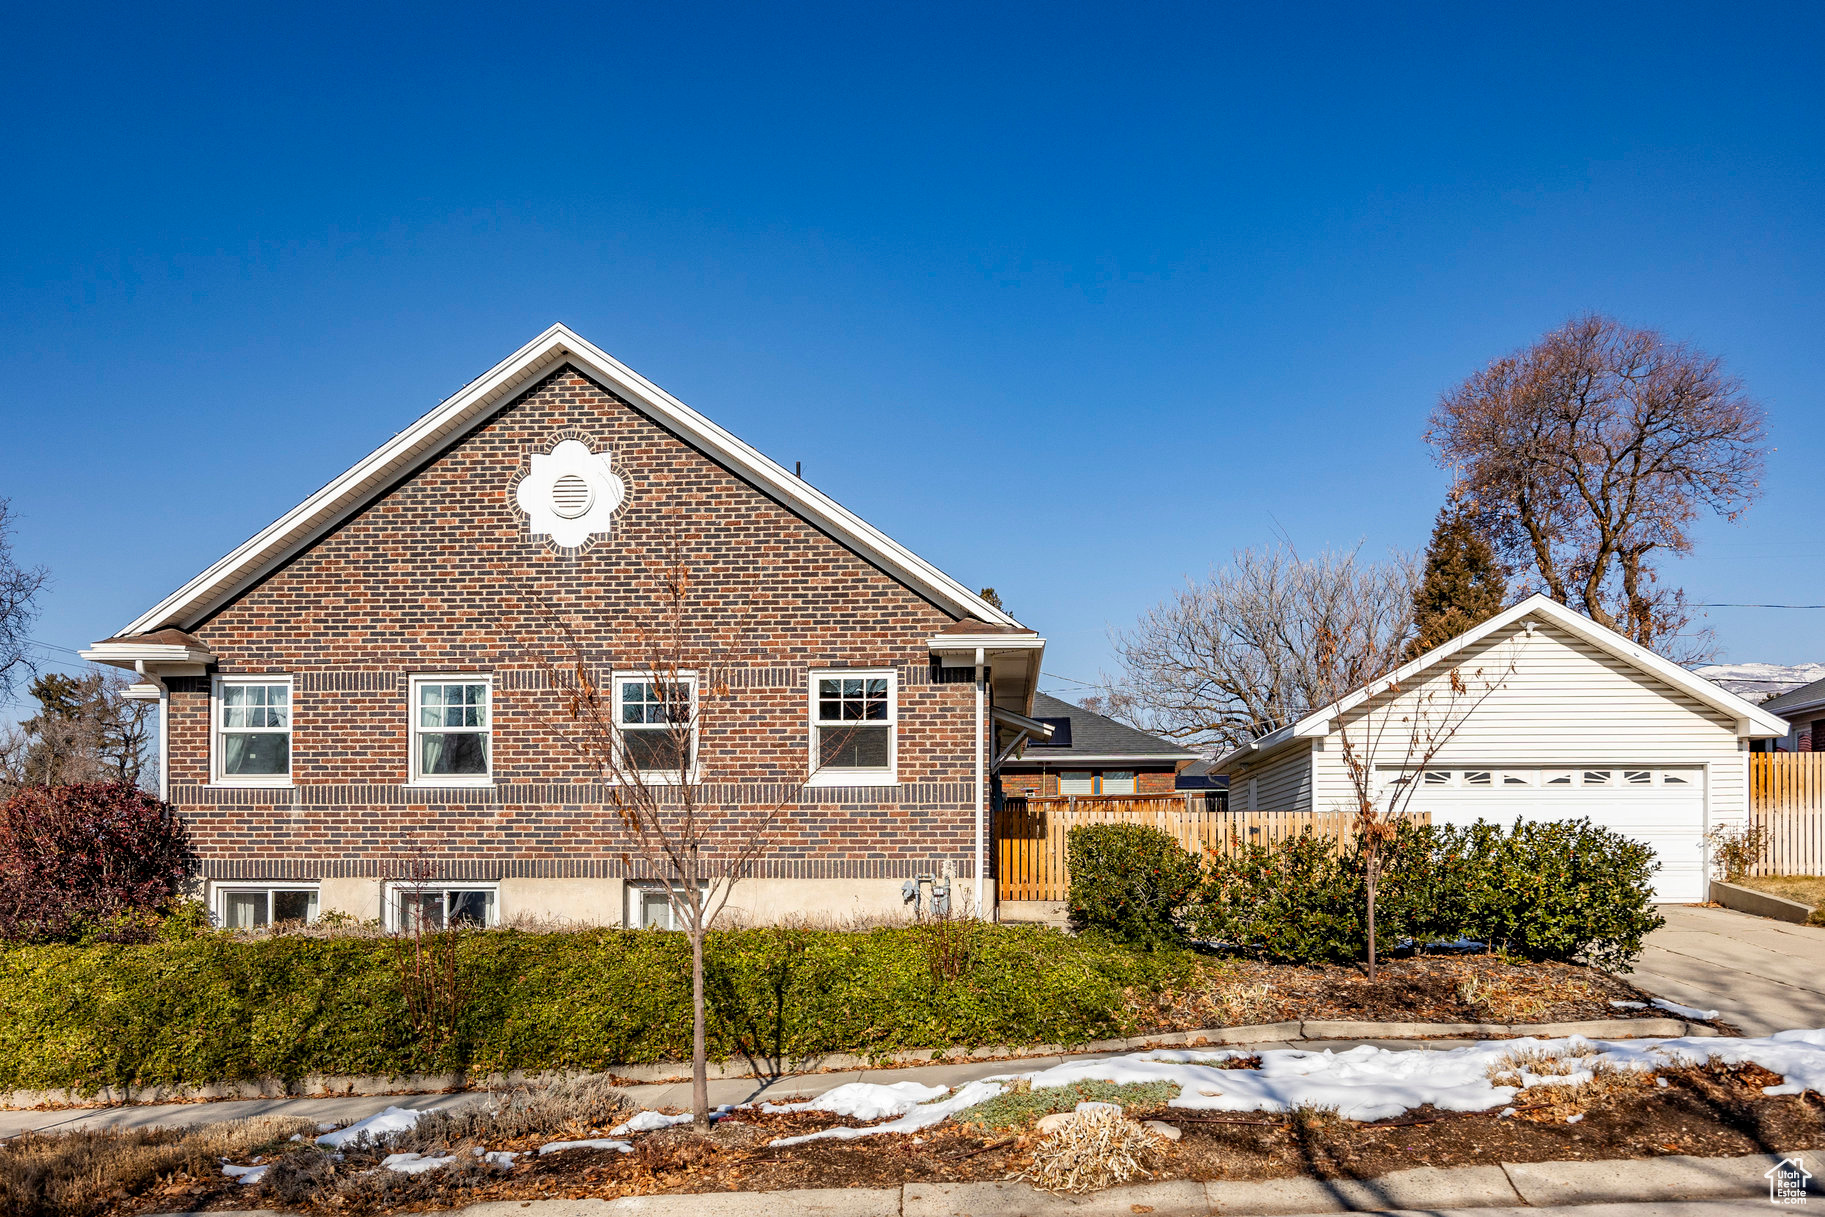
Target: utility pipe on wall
x,y
981,782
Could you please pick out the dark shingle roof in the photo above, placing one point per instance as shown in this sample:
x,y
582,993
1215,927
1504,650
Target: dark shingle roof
x,y
1806,695
1094,735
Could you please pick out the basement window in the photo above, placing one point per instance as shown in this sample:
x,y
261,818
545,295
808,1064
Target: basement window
x,y
414,906
249,908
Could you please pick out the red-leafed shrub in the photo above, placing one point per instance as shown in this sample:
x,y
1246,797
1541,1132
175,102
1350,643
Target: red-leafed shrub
x,y
92,859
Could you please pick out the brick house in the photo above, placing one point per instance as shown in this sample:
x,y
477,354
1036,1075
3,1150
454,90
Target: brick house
x,y
1090,754
367,682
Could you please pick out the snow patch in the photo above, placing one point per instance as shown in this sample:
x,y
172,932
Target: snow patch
x,y
917,1117
245,1174
554,1147
1673,1007
648,1121
376,1127
865,1100
415,1164
1363,1084
1629,1005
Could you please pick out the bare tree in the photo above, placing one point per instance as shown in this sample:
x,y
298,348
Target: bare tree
x,y
647,748
1400,731
1596,449
86,730
1259,643
19,588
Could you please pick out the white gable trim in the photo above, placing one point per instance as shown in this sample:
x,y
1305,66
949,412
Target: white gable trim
x,y
479,400
1752,722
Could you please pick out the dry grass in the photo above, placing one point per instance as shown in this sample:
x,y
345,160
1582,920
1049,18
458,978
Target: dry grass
x,y
74,1174
1807,889
579,1105
1554,1102
1094,1150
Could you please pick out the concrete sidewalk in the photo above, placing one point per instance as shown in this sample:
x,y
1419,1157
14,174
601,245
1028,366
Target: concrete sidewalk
x,y
1764,976
1670,1187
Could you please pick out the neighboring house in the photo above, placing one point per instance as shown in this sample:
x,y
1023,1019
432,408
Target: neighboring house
x,y
365,684
1088,754
1804,708
1199,776
1582,722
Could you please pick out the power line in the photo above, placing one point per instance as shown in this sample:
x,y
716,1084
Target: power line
x,y
1779,606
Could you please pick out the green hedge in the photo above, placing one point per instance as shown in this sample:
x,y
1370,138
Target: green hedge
x,y
1130,881
218,1007
1563,890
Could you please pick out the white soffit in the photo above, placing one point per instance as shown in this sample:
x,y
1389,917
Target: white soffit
x,y
479,400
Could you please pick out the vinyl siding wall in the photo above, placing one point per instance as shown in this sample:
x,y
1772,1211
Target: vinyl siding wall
x,y
1564,703
1283,783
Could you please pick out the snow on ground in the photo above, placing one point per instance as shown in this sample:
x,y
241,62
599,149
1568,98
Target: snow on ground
x,y
1673,1007
415,1164
554,1147
245,1174
1364,1083
648,1121
866,1100
914,1117
374,1128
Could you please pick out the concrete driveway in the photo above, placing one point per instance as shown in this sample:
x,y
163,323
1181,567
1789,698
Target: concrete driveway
x,y
1764,976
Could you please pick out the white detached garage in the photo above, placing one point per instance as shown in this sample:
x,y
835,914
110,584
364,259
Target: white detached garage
x,y
1561,719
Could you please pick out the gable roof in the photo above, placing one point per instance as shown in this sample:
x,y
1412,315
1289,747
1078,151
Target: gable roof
x,y
1752,721
1095,737
1806,697
479,400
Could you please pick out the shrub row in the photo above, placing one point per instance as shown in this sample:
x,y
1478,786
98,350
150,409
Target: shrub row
x,y
220,1007
1566,890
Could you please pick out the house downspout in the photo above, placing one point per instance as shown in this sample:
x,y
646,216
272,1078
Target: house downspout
x,y
981,783
164,729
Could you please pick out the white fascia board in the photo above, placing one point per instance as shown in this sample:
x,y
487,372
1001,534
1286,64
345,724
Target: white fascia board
x,y
472,405
126,654
1107,758
945,644
1752,721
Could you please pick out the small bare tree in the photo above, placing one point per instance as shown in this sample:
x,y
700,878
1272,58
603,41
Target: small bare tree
x,y
1259,643
647,749
86,730
1402,727
1594,451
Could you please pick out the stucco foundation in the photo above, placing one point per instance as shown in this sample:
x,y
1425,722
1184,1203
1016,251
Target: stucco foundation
x,y
359,898
583,901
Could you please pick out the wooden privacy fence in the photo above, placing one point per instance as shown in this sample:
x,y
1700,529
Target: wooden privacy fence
x,y
1787,797
1031,833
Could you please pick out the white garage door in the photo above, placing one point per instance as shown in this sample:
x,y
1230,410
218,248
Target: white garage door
x,y
1664,807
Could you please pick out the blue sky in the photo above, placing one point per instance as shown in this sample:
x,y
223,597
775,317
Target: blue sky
x,y
1073,301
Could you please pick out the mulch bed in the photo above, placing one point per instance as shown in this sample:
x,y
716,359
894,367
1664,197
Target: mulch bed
x,y
1709,1111
1426,988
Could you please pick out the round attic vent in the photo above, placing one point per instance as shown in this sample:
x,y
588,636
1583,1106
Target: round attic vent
x,y
571,496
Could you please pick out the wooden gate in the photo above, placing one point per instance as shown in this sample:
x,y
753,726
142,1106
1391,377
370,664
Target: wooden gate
x,y
1787,797
1030,833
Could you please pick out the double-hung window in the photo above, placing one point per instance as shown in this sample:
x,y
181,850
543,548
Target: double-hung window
x,y
657,717
253,727
452,730
854,724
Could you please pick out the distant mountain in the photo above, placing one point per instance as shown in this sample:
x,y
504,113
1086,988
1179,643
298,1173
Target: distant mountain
x,y
1758,682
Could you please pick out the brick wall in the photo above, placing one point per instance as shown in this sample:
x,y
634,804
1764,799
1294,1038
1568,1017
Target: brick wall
x,y
439,575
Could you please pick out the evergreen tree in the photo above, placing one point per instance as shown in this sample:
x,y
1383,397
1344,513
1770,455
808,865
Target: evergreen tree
x,y
1463,584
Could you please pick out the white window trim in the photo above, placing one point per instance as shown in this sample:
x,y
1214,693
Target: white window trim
x,y
218,896
413,776
267,780
820,777
684,676
391,889
635,888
